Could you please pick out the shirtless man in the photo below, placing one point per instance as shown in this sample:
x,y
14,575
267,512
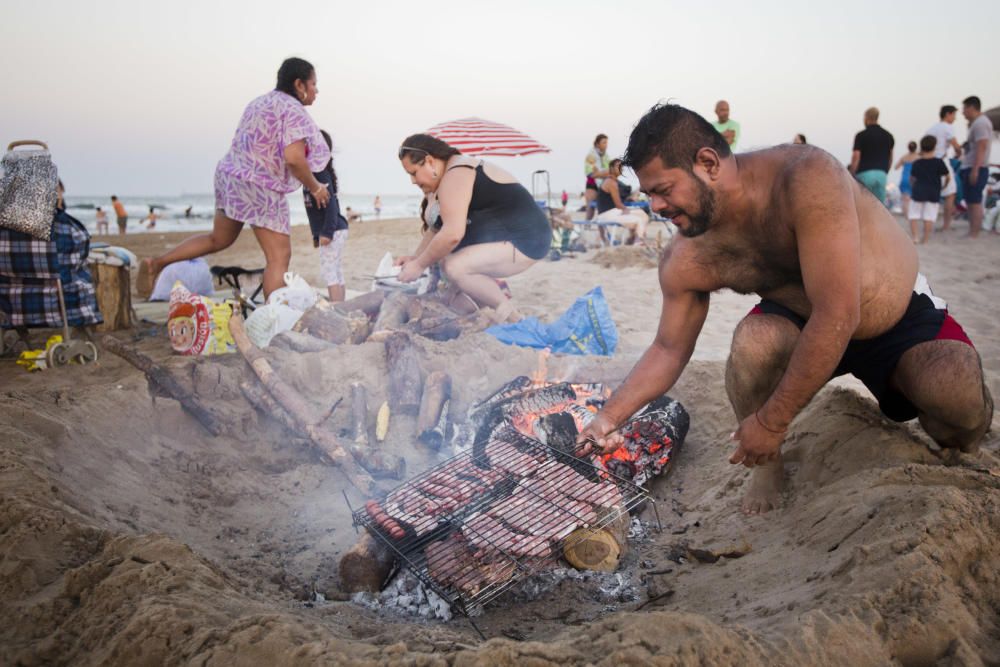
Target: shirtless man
x,y
839,286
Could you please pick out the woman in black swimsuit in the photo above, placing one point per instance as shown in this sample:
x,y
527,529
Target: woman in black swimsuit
x,y
481,223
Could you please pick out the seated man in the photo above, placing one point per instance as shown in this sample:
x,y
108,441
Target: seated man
x,y
611,206
839,286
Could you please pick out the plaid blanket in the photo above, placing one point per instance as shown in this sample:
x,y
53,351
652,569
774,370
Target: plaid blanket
x,y
29,296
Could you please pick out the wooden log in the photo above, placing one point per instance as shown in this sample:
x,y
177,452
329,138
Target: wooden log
x,y
435,328
165,381
393,313
368,303
324,322
264,402
598,549
359,414
437,392
113,287
297,407
366,566
405,376
428,306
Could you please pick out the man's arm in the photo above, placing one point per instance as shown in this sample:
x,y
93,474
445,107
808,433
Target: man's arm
x,y
855,160
979,161
828,239
956,146
681,318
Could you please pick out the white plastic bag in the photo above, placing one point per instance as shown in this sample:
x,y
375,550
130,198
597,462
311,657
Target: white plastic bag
x,y
296,293
268,321
385,278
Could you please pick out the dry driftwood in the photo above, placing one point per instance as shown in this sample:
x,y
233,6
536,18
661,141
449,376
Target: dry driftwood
x,y
368,303
297,407
113,287
598,549
405,376
359,414
437,393
263,401
366,565
324,322
393,314
165,381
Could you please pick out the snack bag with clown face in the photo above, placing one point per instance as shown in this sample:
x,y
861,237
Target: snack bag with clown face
x,y
197,325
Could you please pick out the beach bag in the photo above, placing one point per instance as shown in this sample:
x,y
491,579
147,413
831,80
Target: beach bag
x,y
197,325
193,273
28,190
586,328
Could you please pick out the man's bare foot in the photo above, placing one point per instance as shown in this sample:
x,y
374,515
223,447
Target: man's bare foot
x,y
764,493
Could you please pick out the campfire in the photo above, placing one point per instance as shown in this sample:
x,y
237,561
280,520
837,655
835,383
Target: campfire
x,y
516,498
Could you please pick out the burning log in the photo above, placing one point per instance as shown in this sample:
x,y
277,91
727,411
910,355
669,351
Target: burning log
x,y
433,416
368,303
324,322
601,550
166,381
359,414
366,566
405,376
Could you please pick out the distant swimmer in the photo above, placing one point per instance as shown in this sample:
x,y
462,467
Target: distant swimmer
x,y
840,293
101,218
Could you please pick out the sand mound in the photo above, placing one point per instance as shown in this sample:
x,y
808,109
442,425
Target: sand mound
x,y
130,536
622,257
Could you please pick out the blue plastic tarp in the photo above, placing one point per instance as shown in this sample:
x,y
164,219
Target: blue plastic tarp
x,y
585,328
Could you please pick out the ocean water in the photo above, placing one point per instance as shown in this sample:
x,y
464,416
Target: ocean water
x,y
170,210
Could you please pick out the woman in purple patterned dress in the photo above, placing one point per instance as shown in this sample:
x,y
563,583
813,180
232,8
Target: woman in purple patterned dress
x,y
276,149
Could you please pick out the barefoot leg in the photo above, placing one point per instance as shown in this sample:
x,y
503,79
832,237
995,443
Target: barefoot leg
x,y
762,346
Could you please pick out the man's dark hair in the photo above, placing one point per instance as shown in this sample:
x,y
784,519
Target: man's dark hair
x,y
675,135
973,101
928,143
114,197
292,70
945,110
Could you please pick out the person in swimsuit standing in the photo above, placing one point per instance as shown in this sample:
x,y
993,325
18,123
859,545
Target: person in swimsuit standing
x,y
481,224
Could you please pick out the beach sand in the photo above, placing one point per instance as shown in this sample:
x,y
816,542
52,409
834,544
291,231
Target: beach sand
x,y
131,536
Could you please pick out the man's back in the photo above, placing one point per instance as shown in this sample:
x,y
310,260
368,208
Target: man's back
x,y
875,145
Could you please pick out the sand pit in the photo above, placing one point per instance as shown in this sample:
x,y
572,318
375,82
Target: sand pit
x,y
131,536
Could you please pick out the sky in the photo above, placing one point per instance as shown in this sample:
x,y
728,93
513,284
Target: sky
x,y
143,98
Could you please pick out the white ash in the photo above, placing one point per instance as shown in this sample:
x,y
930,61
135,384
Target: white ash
x,y
610,587
406,595
638,529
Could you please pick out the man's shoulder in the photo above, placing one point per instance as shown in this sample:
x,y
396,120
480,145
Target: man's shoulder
x,y
983,126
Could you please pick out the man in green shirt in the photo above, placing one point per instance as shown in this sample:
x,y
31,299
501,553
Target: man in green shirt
x,y
726,126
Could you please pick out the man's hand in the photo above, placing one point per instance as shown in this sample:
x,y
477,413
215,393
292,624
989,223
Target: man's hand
x,y
598,437
757,444
411,271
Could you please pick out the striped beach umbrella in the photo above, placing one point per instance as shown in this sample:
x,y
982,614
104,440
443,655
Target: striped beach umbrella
x,y
475,136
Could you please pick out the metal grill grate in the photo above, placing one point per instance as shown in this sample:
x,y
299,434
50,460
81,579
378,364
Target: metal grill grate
x,y
473,526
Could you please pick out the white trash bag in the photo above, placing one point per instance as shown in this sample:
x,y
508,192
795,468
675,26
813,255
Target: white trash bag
x,y
296,293
268,321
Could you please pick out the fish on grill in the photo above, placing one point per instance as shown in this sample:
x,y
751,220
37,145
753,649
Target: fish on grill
x,y
516,386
